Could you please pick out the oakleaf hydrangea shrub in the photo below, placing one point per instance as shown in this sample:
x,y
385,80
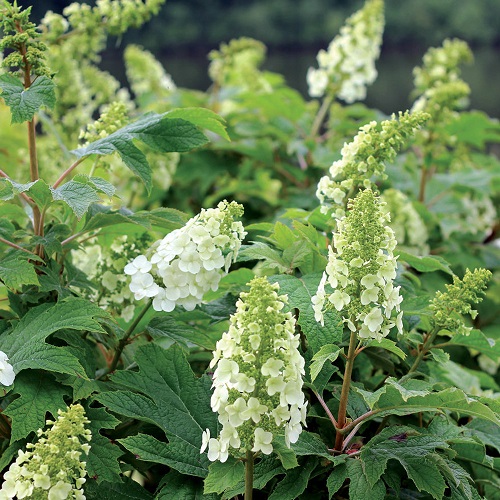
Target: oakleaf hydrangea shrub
x,y
257,380
188,262
53,468
361,270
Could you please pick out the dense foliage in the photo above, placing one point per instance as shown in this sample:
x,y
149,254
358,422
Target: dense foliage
x,y
242,291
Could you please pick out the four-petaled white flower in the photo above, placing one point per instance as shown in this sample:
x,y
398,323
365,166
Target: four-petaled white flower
x,y
7,374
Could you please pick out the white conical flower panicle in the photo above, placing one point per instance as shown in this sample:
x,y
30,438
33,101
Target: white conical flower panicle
x,y
361,271
257,377
188,262
52,468
348,66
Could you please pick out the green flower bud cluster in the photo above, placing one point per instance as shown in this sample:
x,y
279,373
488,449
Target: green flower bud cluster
x,y
236,64
362,270
21,36
363,160
146,75
113,117
438,86
348,66
258,376
103,265
448,307
409,228
52,468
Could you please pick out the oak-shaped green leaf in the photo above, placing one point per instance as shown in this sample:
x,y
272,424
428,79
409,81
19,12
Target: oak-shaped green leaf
x,y
77,195
25,344
427,263
295,481
388,345
24,103
359,487
166,393
17,270
102,460
222,476
412,449
300,291
123,489
160,132
38,394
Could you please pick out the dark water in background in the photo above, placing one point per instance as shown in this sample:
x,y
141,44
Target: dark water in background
x,y
389,93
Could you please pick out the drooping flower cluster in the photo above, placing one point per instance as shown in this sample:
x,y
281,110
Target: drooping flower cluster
x,y
361,271
188,262
363,159
7,374
258,376
348,66
52,468
409,228
103,265
449,306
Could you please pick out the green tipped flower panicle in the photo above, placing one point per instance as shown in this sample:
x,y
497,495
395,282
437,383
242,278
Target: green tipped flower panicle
x,y
363,160
449,306
258,377
52,468
361,271
348,66
438,87
188,262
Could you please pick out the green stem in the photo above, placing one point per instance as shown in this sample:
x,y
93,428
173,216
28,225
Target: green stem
x,y
124,340
344,395
249,475
323,110
424,350
68,171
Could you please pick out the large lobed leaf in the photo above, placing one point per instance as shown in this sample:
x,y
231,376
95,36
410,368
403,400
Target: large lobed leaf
x,y
166,393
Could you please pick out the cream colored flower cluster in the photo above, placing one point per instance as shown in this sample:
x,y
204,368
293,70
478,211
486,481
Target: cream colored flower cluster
x,y
348,66
52,468
188,262
409,228
258,377
361,271
363,159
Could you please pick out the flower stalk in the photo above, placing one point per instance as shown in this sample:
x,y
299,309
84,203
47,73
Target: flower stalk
x,y
249,464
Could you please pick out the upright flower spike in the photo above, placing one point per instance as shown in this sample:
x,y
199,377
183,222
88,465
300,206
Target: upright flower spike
x,y
348,66
52,468
258,377
449,306
361,271
363,159
188,262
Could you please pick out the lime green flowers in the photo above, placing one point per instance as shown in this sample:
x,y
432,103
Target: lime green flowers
x,y
449,306
52,468
361,271
258,377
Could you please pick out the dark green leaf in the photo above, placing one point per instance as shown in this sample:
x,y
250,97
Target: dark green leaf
x,y
328,352
77,195
426,264
203,118
17,270
295,482
222,476
121,489
359,487
24,103
38,395
336,479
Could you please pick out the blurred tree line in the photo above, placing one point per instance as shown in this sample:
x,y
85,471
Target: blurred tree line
x,y
292,23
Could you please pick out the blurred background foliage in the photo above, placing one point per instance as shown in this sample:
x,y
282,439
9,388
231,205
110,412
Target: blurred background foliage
x,y
186,30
